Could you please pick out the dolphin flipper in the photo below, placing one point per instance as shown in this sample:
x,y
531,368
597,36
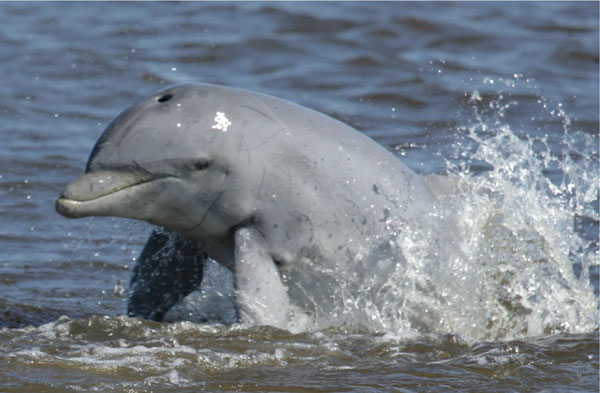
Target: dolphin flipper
x,y
168,269
261,297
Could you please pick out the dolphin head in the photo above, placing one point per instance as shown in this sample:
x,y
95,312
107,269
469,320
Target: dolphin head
x,y
159,161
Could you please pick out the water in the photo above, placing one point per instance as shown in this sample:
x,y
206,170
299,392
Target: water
x,y
501,98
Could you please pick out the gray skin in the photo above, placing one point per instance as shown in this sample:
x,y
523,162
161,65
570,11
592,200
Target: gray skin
x,y
283,196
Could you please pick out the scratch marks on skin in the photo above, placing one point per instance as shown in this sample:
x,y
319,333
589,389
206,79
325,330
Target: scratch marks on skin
x,y
206,213
262,183
181,209
264,142
259,112
272,117
375,189
143,170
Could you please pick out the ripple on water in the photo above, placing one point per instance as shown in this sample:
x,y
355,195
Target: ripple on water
x,y
145,354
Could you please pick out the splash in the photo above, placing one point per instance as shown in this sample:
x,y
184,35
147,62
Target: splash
x,y
521,205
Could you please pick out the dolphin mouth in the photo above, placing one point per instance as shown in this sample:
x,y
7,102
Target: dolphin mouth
x,y
99,193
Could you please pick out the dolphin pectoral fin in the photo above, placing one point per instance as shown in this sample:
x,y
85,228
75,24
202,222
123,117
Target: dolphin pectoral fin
x,y
261,297
168,269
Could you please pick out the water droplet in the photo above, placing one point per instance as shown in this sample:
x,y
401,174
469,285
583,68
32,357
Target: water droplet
x,y
221,122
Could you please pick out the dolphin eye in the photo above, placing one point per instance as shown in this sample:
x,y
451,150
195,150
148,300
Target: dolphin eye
x,y
164,98
201,165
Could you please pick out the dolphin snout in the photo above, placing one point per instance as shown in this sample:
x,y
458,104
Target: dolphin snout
x,y
88,195
98,184
67,207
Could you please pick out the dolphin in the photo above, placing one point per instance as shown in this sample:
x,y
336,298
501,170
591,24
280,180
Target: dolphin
x,y
292,201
